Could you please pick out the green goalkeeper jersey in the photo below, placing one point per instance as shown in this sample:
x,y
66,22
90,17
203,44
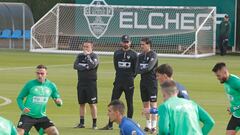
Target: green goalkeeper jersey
x,y
37,95
232,88
6,127
179,116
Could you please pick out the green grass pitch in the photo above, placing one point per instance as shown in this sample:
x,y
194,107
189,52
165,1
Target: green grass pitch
x,y
17,67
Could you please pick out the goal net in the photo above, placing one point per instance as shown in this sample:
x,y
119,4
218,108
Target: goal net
x,y
174,31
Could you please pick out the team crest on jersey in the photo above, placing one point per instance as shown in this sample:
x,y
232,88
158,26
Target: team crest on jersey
x,y
98,15
128,57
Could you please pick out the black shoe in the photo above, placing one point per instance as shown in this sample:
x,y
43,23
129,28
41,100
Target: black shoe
x,y
146,129
107,127
80,126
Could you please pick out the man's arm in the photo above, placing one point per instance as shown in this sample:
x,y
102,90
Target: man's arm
x,y
92,62
153,60
21,96
55,95
115,62
79,66
138,71
135,63
235,85
206,119
163,121
228,29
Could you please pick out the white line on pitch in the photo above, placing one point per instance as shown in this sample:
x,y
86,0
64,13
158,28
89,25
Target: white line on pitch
x,y
6,101
19,68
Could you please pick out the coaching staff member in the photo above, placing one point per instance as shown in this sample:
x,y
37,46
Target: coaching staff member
x,y
147,64
86,65
225,28
125,60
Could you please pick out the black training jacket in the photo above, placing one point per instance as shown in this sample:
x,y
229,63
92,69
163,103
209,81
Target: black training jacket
x,y
125,65
87,66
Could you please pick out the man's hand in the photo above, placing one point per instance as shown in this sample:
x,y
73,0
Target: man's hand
x,y
229,111
58,101
26,110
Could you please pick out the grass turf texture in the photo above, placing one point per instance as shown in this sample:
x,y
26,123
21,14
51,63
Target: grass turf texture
x,y
17,67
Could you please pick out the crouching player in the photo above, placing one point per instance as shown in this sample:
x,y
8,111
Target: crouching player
x,y
32,101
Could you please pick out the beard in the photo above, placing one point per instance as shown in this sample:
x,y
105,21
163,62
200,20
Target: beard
x,y
126,47
223,80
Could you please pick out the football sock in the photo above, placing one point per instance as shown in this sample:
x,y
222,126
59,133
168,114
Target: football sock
x,y
154,124
110,124
82,120
148,124
94,122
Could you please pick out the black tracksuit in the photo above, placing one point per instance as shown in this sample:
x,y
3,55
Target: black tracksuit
x,y
86,66
125,67
147,63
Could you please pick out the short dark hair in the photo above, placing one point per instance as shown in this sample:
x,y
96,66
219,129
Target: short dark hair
x,y
146,40
88,41
165,69
117,105
169,86
41,66
218,66
226,16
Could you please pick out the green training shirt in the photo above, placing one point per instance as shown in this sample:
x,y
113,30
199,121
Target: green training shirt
x,y
179,116
6,127
37,95
232,88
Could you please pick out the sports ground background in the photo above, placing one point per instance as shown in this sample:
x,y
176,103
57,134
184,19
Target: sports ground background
x,y
17,67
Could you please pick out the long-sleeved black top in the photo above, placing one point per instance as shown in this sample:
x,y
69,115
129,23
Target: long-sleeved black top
x,y
125,65
87,66
147,63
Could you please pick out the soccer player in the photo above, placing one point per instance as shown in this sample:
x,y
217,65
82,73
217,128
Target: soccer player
x,y
232,88
147,64
164,72
86,65
32,101
7,127
178,116
125,61
116,110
